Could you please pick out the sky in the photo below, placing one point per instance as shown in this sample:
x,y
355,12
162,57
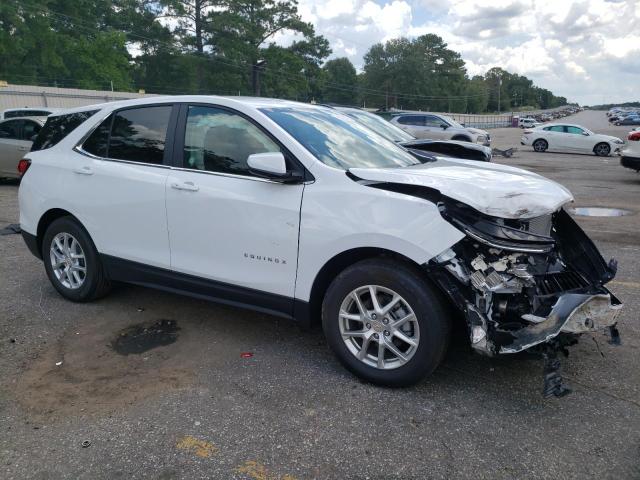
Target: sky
x,y
585,50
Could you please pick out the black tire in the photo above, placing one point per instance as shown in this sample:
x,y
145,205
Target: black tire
x,y
461,138
430,313
602,149
540,145
96,283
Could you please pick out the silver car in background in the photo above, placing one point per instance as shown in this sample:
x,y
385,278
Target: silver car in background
x,y
16,137
439,127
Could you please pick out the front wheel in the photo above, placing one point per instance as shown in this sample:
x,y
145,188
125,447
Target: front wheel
x,y
72,262
385,322
602,149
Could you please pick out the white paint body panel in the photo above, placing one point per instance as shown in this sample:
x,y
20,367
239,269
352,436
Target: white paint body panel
x,y
235,230
497,190
132,210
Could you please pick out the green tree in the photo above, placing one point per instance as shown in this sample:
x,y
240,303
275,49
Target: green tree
x,y
341,82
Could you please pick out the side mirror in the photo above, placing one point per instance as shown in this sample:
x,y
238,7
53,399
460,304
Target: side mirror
x,y
444,126
272,165
33,138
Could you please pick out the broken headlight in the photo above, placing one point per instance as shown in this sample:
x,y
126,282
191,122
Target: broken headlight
x,y
516,235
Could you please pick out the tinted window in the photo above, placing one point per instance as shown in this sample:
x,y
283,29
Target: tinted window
x,y
11,129
557,128
58,127
139,134
575,130
336,140
412,120
29,130
97,142
27,113
431,121
217,140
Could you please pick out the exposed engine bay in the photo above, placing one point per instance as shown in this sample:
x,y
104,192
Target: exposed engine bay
x,y
526,283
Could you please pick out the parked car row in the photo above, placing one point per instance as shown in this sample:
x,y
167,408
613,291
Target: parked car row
x,y
624,116
304,212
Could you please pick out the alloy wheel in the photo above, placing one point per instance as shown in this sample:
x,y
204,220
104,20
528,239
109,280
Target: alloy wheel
x,y
379,327
68,261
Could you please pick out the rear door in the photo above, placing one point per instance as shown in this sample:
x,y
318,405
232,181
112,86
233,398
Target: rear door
x,y
556,137
225,224
413,124
13,146
118,183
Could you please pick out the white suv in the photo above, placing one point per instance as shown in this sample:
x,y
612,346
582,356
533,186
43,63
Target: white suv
x,y
300,211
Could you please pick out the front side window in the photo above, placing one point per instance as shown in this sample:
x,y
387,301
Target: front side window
x,y
29,130
58,127
575,130
10,130
557,128
139,134
217,140
431,121
337,141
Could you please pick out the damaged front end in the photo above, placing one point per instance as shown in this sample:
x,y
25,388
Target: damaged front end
x,y
523,283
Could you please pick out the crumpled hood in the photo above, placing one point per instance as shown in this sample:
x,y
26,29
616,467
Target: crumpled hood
x,y
477,131
496,190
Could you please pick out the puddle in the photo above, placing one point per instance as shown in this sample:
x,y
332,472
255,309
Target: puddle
x,y
599,212
145,336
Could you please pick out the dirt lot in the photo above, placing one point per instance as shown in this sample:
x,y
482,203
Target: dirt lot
x,y
195,407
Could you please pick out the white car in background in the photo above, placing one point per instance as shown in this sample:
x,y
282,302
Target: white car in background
x,y
565,137
28,112
528,123
439,127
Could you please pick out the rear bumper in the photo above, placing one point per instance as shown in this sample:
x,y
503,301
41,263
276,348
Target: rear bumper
x,y
630,162
32,244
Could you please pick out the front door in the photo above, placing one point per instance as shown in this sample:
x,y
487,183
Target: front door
x,y
226,224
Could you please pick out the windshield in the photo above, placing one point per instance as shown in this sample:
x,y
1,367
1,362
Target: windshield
x,y
337,141
380,126
451,121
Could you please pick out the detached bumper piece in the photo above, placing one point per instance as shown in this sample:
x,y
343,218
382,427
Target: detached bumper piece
x,y
573,313
535,286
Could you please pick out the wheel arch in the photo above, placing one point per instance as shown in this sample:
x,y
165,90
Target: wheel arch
x,y
461,138
47,219
333,267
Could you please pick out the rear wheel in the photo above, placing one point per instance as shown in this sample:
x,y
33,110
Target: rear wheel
x,y
385,322
72,262
602,149
540,145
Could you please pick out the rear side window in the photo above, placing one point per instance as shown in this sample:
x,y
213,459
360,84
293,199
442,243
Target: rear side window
x,y
412,120
59,127
139,134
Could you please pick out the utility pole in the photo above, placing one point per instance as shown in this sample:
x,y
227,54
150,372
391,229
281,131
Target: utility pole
x,y
499,88
255,76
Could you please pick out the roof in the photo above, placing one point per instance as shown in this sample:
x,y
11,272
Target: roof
x,y
256,102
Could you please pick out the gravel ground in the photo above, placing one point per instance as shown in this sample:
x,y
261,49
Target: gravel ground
x,y
197,407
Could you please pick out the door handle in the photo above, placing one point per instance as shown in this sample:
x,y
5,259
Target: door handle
x,y
83,171
188,186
